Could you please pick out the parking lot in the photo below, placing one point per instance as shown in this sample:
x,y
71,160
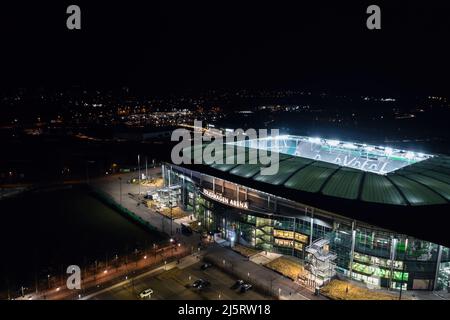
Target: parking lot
x,y
175,284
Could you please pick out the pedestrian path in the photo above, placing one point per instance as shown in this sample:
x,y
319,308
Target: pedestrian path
x,y
120,193
266,280
264,257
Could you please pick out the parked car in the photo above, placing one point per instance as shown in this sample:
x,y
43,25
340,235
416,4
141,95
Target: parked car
x,y
206,266
200,284
237,284
196,283
204,284
186,229
245,287
147,293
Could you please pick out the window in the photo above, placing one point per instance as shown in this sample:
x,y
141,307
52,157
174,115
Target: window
x,y
283,234
284,243
301,237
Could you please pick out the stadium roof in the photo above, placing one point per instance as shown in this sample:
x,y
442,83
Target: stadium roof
x,y
360,156
386,200
423,182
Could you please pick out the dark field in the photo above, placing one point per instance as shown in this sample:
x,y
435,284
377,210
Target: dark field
x,y
42,233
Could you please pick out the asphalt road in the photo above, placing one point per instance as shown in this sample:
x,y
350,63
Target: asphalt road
x,y
174,284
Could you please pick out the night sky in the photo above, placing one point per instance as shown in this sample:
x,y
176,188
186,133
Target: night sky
x,y
170,46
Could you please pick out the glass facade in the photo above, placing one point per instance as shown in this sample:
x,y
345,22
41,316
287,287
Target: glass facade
x,y
365,253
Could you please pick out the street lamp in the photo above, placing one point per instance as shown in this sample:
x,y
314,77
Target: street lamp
x,y
120,188
146,169
171,214
139,170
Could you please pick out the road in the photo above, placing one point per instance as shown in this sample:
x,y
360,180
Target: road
x,y
174,284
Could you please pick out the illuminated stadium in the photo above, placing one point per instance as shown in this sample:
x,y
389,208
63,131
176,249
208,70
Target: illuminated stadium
x,y
380,160
369,213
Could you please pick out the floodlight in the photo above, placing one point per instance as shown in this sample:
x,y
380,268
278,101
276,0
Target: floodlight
x,y
349,146
409,155
315,140
333,143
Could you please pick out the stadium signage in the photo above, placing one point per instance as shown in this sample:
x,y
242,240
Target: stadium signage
x,y
220,198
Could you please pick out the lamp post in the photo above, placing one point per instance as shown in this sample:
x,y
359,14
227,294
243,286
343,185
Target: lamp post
x,y
146,168
139,171
120,189
171,216
271,285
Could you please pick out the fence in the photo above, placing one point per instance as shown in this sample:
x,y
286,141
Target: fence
x,y
102,271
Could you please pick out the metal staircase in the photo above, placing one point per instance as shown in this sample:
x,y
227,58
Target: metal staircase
x,y
320,260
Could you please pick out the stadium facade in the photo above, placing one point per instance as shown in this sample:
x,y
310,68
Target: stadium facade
x,y
358,211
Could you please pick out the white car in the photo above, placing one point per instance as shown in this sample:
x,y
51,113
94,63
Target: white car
x,y
147,293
